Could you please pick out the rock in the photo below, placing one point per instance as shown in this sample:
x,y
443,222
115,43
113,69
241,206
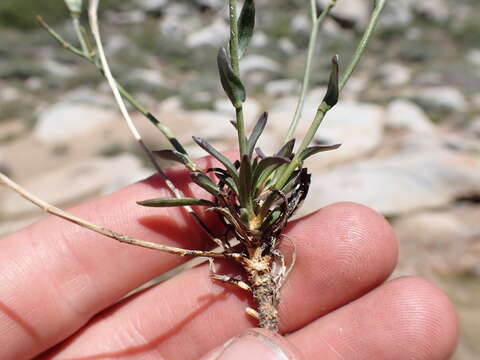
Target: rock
x,y
402,12
64,121
359,127
442,98
423,175
395,74
474,57
214,35
152,5
150,78
211,4
66,186
474,127
443,242
403,114
58,69
178,21
282,87
357,11
259,63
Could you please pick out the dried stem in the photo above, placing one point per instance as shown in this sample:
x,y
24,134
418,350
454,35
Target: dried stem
x,y
6,181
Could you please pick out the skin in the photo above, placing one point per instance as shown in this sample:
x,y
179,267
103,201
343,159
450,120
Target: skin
x,y
62,285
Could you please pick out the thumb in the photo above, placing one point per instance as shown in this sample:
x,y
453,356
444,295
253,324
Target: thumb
x,y
255,344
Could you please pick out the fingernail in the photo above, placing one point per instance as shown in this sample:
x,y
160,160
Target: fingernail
x,y
251,346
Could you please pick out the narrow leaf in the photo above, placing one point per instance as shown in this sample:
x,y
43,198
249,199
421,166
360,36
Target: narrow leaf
x,y
265,168
287,149
317,149
256,132
245,183
331,97
260,153
169,202
230,82
204,182
217,155
246,24
172,155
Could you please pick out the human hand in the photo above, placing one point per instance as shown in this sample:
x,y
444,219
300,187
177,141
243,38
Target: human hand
x,y
60,287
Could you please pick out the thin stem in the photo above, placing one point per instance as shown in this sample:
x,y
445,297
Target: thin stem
x,y
324,108
316,23
125,94
78,31
4,180
378,7
235,61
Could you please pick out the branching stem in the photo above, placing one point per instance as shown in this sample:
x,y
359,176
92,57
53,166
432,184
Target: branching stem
x,y
316,23
6,181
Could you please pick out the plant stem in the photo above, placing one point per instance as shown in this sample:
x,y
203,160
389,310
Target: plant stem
x,y
125,94
234,57
316,22
377,9
78,31
296,162
4,180
324,108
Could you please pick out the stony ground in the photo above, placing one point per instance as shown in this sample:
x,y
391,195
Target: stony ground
x,y
409,121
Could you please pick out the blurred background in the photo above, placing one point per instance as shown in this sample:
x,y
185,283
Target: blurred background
x,y
409,119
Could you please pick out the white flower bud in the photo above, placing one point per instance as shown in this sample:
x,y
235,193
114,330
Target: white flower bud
x,y
74,5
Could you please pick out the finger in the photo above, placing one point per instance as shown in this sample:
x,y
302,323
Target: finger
x,y
408,318
255,344
343,251
55,275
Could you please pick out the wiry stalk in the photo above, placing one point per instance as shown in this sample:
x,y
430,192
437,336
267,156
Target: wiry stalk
x,y
316,23
234,56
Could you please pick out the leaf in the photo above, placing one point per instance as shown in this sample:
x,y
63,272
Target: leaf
x,y
172,155
245,183
169,202
260,153
230,82
331,97
217,155
246,24
265,168
205,182
256,132
287,149
317,149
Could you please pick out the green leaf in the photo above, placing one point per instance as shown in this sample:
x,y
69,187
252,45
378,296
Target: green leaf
x,y
256,132
245,183
331,97
205,182
172,155
230,82
246,24
317,149
169,202
287,149
265,168
217,155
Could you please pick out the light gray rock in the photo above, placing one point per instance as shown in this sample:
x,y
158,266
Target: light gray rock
x,y
66,186
474,127
259,63
404,114
64,121
215,35
282,87
358,126
474,56
417,178
152,5
442,97
359,11
395,74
